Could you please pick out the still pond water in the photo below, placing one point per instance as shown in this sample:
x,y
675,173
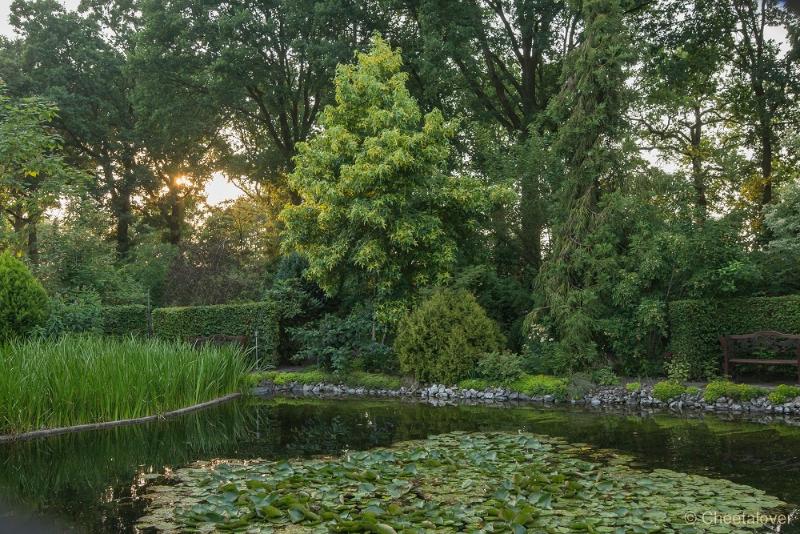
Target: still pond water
x,y
94,481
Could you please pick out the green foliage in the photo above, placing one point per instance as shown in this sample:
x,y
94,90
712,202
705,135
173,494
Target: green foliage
x,y
738,392
125,320
468,481
354,379
33,172
444,337
504,298
589,113
783,393
23,300
341,344
224,319
78,312
501,367
379,212
667,390
692,390
540,385
696,325
632,387
81,379
605,376
478,384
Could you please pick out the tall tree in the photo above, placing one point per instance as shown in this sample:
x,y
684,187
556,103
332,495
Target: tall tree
x,y
33,173
764,89
498,62
267,65
64,57
680,113
589,148
379,215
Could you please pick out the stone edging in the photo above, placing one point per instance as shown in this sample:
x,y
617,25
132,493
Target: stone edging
x,y
604,396
47,432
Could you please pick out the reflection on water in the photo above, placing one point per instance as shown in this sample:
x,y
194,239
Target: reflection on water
x,y
93,480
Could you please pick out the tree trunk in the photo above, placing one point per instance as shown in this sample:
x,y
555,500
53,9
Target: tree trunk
x,y
174,217
33,244
698,176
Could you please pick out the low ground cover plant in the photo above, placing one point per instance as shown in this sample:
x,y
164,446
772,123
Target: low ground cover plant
x,y
723,388
86,379
317,376
783,394
631,387
668,389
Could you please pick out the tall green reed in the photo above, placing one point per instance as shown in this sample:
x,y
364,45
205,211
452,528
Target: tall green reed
x,y
86,379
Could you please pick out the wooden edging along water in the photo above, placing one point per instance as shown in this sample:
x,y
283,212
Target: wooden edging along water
x,y
47,432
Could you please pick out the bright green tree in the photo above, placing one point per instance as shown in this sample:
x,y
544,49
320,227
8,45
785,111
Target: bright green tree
x,y
379,214
23,301
33,173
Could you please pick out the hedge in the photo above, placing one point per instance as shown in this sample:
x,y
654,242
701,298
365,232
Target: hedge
x,y
696,325
125,320
224,319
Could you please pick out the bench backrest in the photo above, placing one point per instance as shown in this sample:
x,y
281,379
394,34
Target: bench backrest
x,y
767,340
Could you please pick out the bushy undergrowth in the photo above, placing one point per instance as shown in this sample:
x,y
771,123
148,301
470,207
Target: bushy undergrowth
x,y
500,367
668,389
83,379
23,301
631,387
723,388
783,393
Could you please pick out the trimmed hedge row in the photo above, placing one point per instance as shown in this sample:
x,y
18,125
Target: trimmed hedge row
x,y
696,325
125,320
224,319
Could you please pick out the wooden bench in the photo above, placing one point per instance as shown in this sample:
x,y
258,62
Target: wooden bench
x,y
218,340
734,347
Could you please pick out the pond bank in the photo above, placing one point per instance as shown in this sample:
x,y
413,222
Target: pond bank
x,y
603,396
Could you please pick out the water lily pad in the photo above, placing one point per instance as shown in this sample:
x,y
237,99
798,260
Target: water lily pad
x,y
458,482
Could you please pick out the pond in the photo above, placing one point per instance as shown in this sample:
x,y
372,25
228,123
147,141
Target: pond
x,y
96,481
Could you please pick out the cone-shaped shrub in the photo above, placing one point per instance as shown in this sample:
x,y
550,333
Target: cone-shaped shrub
x,y
23,300
444,337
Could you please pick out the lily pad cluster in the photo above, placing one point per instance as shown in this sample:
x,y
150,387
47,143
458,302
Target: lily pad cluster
x,y
456,482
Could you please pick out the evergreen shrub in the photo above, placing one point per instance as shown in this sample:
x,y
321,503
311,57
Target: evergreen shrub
x,y
444,337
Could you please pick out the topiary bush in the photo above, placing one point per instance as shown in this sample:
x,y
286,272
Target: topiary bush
x,y
443,338
23,300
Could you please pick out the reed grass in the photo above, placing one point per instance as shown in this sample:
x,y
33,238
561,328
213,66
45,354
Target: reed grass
x,y
86,379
